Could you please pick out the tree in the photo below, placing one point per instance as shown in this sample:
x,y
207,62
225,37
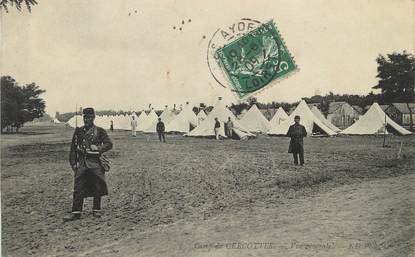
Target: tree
x,y
18,4
324,106
9,105
396,79
238,108
19,104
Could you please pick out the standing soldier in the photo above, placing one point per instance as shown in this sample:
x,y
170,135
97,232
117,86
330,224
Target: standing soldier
x,y
112,126
89,142
133,126
160,130
217,128
229,128
297,132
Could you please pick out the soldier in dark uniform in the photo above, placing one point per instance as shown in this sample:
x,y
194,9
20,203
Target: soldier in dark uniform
x,y
89,165
160,128
297,132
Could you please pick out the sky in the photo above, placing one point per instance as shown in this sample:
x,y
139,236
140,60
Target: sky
x,y
125,55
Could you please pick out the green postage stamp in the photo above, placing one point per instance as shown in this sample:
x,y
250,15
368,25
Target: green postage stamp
x,y
254,60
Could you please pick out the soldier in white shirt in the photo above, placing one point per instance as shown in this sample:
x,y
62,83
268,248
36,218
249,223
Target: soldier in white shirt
x,y
134,125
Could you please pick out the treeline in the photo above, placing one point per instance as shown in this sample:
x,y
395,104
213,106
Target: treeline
x,y
238,108
19,104
322,101
65,117
355,100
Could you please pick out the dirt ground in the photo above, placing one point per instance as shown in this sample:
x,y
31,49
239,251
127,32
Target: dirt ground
x,y
201,197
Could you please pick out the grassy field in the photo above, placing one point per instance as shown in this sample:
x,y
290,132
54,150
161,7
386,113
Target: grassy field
x,y
167,195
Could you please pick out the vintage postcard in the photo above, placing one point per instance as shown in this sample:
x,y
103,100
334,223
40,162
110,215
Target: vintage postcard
x,y
207,128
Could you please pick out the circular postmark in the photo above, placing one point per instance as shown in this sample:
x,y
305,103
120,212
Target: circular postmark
x,y
221,37
244,56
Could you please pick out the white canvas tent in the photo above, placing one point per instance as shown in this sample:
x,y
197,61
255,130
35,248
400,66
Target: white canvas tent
x,y
142,121
323,119
99,121
167,115
182,122
220,111
117,121
108,119
76,121
241,115
201,116
152,119
103,121
279,116
55,120
375,121
254,121
308,120
123,122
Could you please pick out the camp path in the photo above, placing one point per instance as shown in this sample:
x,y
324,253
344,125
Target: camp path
x,y
373,218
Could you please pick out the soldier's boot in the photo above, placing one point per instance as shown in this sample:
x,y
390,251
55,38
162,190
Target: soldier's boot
x,y
295,159
73,216
301,159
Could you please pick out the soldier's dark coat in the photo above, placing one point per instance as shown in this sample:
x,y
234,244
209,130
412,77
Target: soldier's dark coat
x,y
160,127
296,132
90,173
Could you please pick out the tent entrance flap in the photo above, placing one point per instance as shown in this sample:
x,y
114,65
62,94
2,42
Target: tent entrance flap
x,y
317,131
239,134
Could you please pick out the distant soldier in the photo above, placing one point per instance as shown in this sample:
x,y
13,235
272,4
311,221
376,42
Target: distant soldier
x,y
133,127
297,132
160,130
217,128
89,142
229,128
112,126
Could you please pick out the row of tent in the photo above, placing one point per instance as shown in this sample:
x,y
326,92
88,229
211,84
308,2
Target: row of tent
x,y
146,121
375,121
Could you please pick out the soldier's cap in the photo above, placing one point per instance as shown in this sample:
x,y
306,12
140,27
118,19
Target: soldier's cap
x,y
88,111
296,116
